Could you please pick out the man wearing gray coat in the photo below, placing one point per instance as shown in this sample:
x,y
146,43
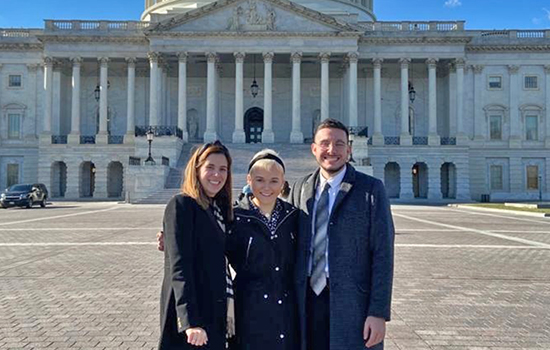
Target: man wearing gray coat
x,y
344,267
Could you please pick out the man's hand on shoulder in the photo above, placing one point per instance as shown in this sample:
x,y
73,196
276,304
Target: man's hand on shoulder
x,y
160,241
374,331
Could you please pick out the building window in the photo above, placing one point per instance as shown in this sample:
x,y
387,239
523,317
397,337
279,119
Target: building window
x,y
14,81
531,127
13,174
495,82
495,123
532,177
14,126
497,182
531,82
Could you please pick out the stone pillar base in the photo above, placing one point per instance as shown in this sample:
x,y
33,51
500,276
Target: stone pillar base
x,y
405,140
239,136
210,136
185,136
129,139
462,139
101,139
45,138
296,137
378,140
514,142
479,138
268,136
73,139
434,140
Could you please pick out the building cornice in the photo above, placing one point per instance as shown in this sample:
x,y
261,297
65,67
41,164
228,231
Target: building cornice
x,y
508,48
21,47
238,35
138,40
414,40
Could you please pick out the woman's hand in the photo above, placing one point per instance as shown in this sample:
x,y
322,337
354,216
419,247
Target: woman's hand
x,y
196,336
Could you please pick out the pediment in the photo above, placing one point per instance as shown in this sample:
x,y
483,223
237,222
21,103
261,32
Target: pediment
x,y
243,16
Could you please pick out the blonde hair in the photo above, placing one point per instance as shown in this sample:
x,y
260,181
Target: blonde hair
x,y
266,164
192,187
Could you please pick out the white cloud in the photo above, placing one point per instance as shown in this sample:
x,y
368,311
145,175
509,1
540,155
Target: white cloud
x,y
547,13
453,3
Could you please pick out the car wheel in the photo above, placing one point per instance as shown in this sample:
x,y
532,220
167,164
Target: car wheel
x,y
43,203
29,205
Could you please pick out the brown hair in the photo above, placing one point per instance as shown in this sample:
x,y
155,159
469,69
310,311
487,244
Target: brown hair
x,y
192,187
330,123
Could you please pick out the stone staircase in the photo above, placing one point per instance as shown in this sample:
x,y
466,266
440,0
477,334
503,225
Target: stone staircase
x,y
297,157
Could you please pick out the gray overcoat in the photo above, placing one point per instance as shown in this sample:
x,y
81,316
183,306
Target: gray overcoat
x,y
361,239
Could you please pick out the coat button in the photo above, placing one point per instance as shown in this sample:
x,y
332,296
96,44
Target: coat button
x,y
265,296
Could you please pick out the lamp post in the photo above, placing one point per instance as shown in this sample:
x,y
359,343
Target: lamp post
x,y
150,136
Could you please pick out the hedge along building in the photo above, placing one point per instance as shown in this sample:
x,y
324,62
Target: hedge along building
x,y
451,113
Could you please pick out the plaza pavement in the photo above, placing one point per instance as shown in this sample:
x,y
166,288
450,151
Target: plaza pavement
x,y
87,276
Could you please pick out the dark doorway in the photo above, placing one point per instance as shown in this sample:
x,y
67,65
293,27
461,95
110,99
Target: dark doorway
x,y
420,180
254,125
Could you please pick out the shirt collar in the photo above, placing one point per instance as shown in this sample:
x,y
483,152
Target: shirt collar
x,y
333,181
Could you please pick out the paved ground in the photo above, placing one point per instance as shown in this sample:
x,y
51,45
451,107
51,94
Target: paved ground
x,y
87,276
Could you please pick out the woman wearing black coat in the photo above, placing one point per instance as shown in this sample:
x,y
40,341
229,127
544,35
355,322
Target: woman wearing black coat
x,y
195,291
261,249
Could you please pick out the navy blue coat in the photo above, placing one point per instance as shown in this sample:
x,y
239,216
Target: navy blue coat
x,y
265,303
361,239
194,286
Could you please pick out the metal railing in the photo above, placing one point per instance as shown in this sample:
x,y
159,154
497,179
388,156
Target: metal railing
x,y
448,141
59,139
87,140
392,140
116,140
134,160
420,140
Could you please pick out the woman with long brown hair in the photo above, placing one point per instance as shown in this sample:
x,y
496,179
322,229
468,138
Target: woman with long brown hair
x,y
196,297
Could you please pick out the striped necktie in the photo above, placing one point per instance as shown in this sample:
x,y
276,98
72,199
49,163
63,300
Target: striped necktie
x,y
318,279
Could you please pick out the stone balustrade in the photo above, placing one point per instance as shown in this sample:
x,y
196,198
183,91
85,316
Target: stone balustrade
x,y
77,25
421,26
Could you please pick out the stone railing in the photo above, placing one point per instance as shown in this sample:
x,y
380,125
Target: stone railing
x,y
516,34
18,33
64,25
159,130
434,26
116,140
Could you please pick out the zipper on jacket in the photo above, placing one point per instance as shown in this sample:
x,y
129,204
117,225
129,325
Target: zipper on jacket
x,y
248,249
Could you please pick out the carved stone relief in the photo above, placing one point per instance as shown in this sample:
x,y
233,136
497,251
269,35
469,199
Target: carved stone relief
x,y
249,18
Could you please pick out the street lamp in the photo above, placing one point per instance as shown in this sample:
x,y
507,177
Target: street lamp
x,y
254,88
150,136
412,92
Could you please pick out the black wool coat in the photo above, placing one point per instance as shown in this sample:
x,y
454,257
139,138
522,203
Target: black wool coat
x,y
194,286
361,239
266,315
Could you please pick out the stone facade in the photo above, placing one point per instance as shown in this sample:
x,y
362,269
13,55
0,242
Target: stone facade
x,y
451,113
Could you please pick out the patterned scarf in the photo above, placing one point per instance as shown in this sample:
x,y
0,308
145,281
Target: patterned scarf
x,y
229,288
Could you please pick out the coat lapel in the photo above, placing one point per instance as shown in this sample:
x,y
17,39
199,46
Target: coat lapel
x,y
345,187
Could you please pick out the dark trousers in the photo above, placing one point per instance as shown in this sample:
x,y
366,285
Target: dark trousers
x,y
318,319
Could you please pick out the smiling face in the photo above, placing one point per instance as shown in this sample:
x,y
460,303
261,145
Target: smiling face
x,y
266,184
213,174
331,150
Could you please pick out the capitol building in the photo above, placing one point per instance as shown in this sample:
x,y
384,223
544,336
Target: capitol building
x,y
440,111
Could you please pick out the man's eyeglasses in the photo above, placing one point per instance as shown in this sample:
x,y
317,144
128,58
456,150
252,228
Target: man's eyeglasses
x,y
339,145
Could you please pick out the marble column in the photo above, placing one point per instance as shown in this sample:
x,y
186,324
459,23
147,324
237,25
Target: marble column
x,y
433,137
406,183
434,180
547,118
267,135
32,69
130,109
461,138
377,137
182,95
479,116
238,134
406,138
211,131
353,58
48,101
74,136
296,136
325,95
164,94
103,135
153,89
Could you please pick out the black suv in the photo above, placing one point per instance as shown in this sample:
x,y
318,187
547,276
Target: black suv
x,y
24,195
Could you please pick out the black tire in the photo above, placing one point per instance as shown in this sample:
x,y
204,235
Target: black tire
x,y
30,203
43,203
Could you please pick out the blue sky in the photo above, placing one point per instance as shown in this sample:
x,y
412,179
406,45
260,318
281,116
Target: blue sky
x,y
478,14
